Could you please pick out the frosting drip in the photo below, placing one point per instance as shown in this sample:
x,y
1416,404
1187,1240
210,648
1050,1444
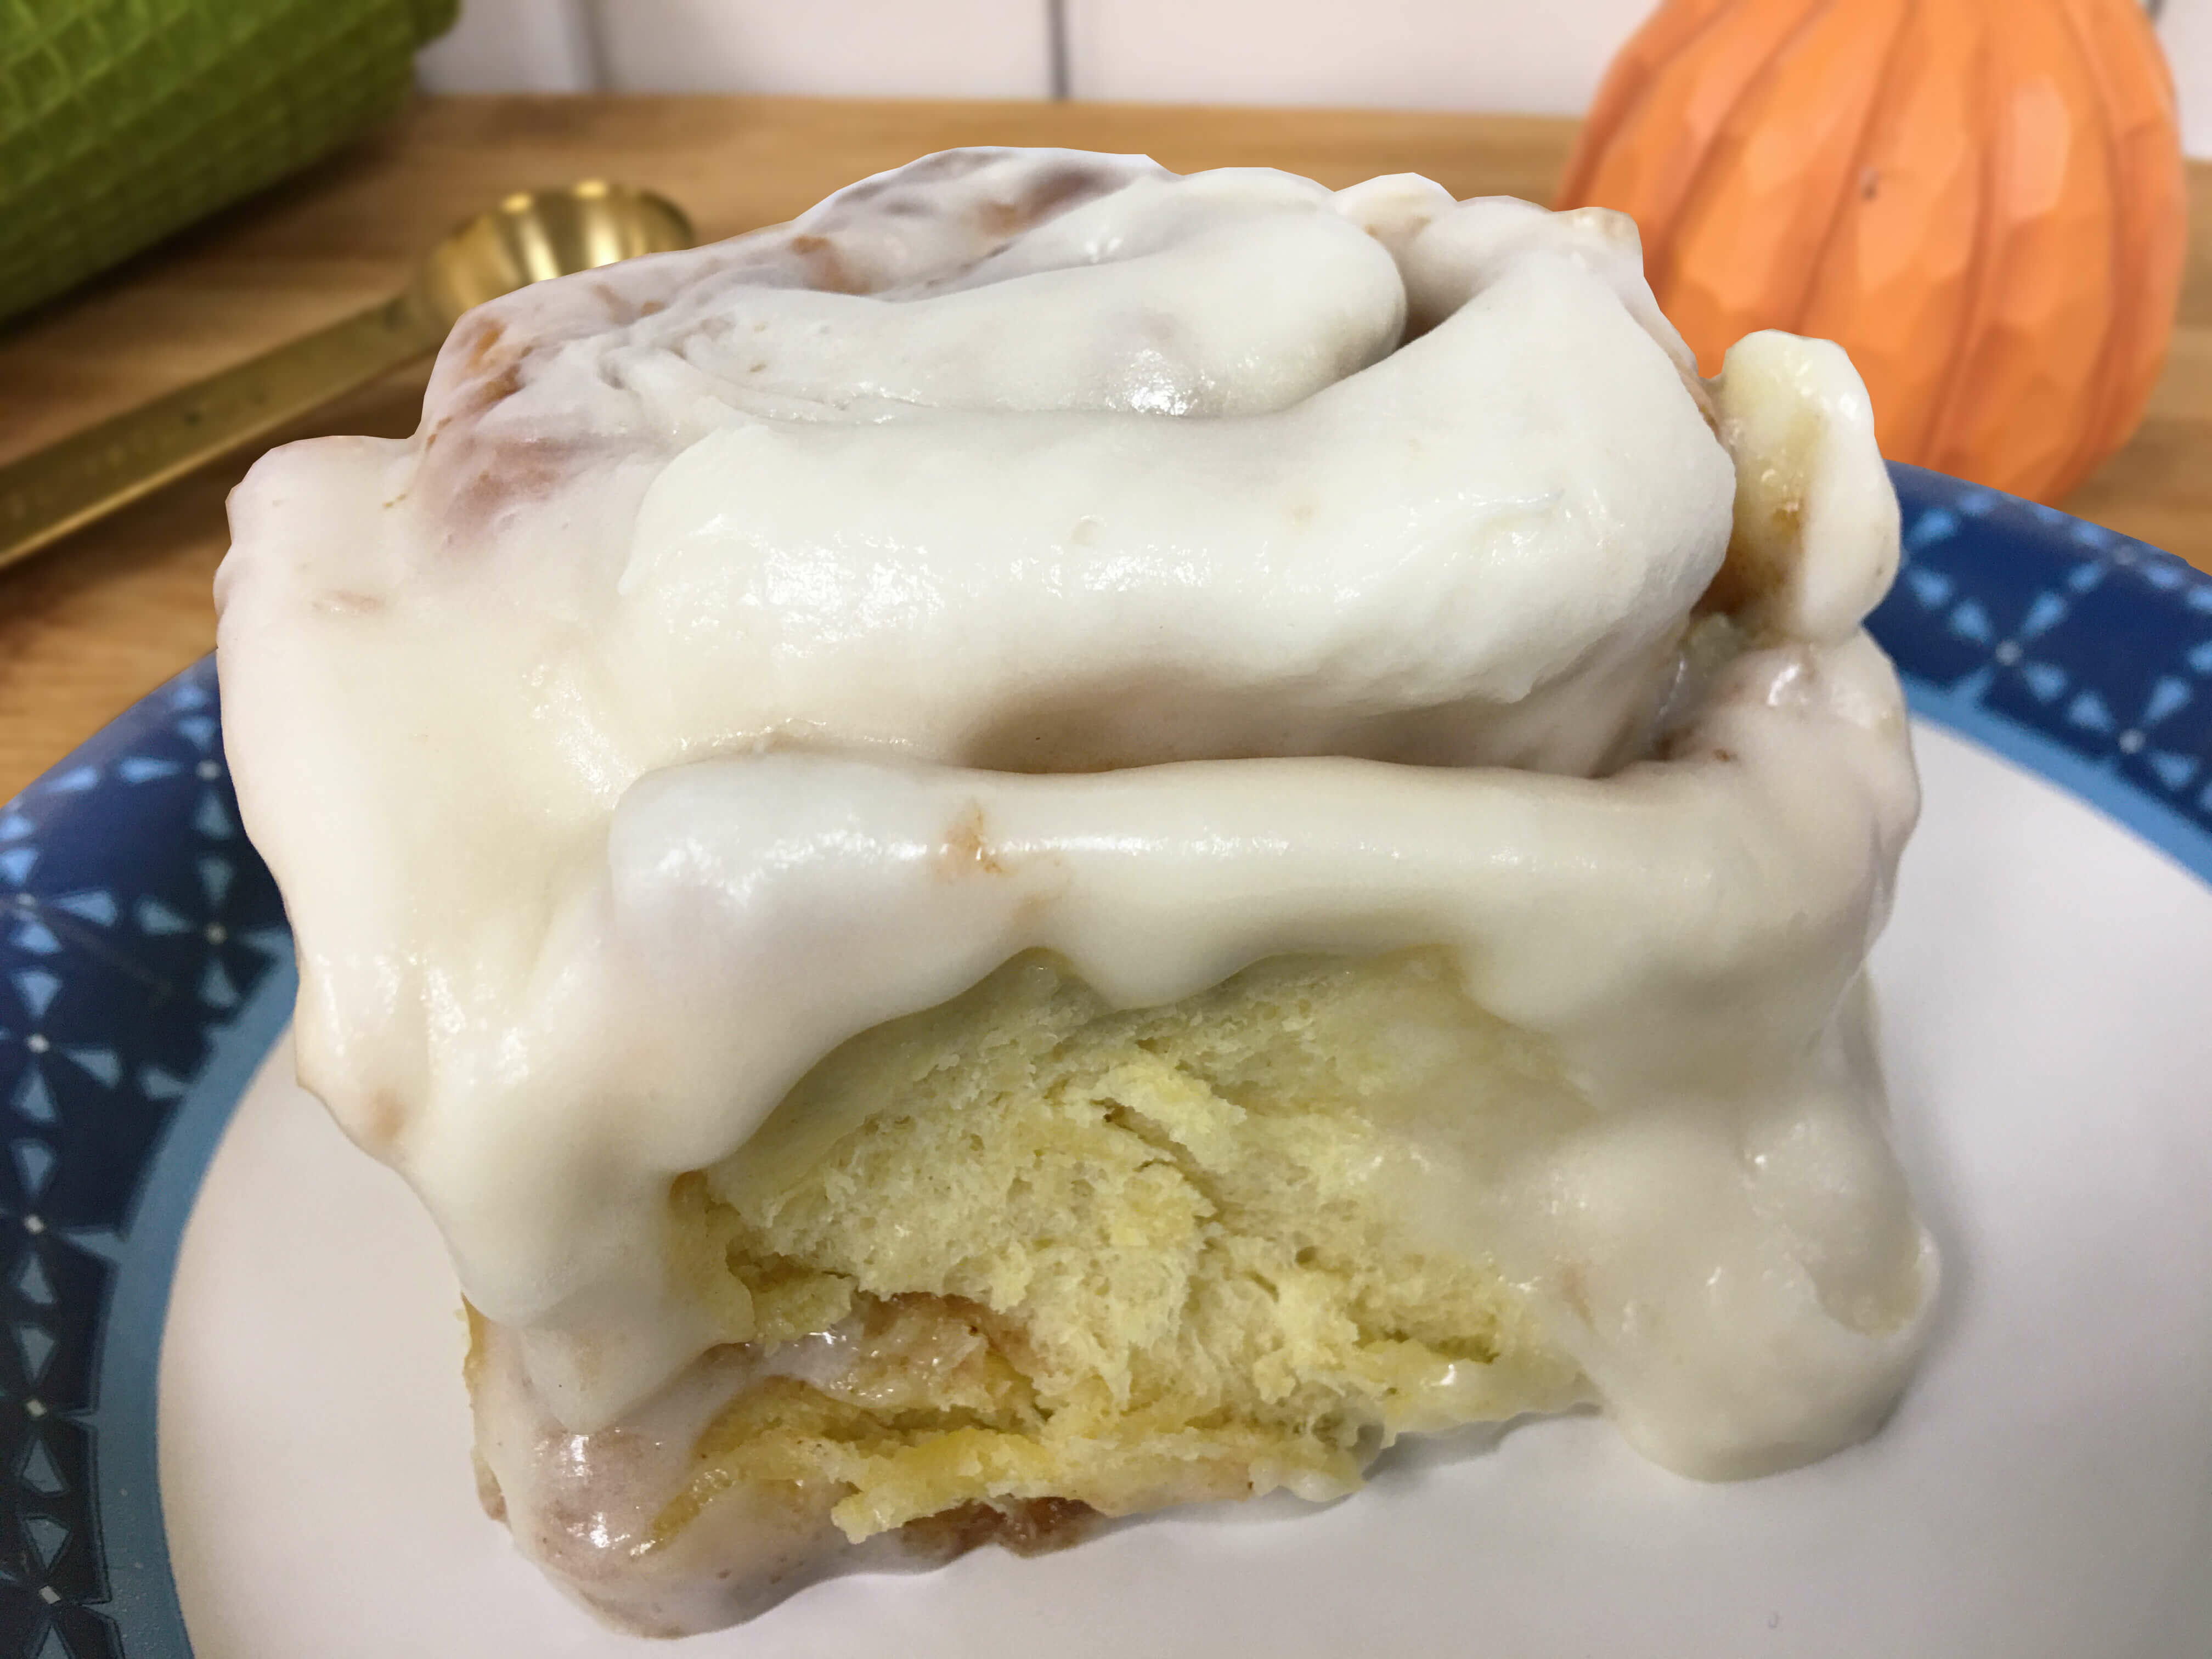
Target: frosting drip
x,y
1034,550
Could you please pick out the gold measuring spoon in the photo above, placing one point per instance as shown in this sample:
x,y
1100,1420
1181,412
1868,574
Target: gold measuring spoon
x,y
528,237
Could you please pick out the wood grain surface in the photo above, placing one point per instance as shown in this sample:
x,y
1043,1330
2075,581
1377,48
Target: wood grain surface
x,y
101,618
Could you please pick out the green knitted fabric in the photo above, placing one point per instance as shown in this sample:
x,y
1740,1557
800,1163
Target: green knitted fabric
x,y
123,120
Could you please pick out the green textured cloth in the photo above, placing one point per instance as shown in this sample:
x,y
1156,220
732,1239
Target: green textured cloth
x,y
123,120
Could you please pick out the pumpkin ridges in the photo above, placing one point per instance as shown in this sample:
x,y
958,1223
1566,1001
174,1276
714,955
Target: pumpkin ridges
x,y
2151,186
1847,186
1666,33
1896,280
1981,278
1991,345
1771,31
2036,354
2084,453
1772,182
2099,224
1688,100
2157,197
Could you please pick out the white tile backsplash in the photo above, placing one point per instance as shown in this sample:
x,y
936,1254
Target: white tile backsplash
x,y
1434,54
850,48
1421,54
2187,29
513,45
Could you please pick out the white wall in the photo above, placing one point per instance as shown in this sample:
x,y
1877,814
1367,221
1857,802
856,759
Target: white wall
x,y
2187,26
843,48
513,45
1538,55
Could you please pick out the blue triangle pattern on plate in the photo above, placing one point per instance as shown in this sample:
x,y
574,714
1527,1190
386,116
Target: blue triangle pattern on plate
x,y
37,988
37,1470
32,1282
115,870
2095,642
1970,621
269,941
155,1084
1930,587
2174,771
2168,696
47,1535
1936,525
211,820
215,987
103,1063
2087,709
37,1346
2041,616
155,917
33,1101
34,1162
97,908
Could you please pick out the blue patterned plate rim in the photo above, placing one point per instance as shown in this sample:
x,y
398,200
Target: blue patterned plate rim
x,y
145,970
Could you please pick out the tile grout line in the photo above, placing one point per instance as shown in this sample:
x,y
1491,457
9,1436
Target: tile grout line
x,y
587,28
1055,34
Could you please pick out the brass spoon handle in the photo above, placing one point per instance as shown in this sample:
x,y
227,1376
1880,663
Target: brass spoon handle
x,y
52,491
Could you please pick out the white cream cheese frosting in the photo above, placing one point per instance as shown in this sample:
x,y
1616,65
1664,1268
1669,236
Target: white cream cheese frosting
x,y
1033,549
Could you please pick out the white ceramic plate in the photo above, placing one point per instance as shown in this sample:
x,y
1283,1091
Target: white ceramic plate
x,y
2044,1490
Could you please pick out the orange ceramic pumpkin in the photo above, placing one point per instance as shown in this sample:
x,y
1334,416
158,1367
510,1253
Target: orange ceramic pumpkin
x,y
1983,200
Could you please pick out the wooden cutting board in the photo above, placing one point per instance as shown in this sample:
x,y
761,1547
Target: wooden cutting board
x,y
101,619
